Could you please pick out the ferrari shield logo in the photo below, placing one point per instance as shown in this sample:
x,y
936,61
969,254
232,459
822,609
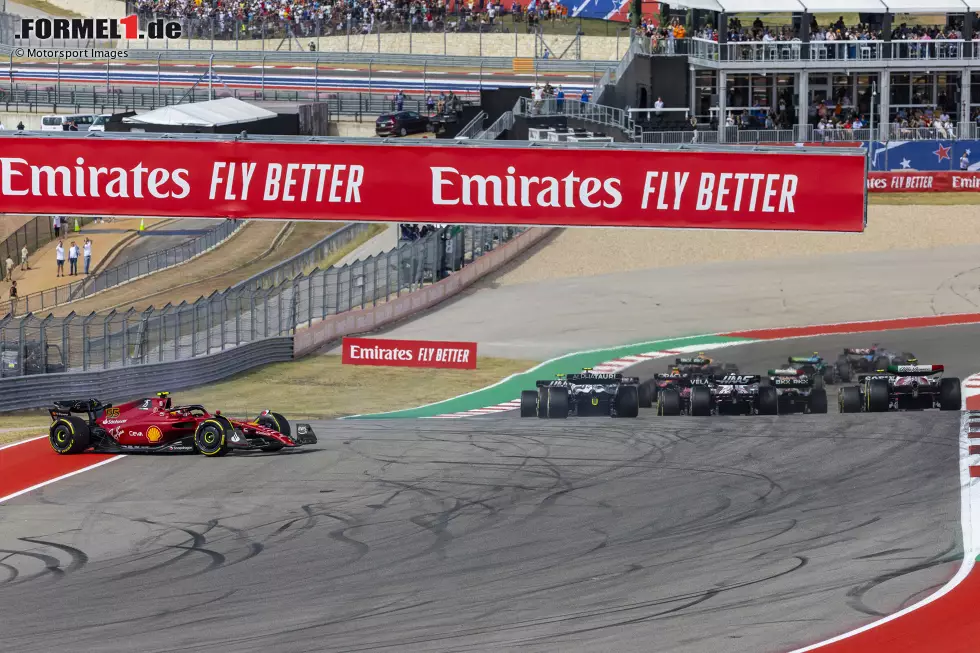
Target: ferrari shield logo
x,y
154,434
595,401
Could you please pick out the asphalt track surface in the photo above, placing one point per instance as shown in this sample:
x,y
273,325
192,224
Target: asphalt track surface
x,y
655,534
329,77
169,235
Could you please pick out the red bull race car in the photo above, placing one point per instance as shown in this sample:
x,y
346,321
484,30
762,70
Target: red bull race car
x,y
155,425
901,387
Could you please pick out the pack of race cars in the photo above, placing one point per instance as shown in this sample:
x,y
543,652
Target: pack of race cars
x,y
700,386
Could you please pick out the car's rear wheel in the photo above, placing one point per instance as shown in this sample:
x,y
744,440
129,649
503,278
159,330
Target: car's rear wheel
x,y
211,437
645,391
628,401
878,396
276,422
849,400
828,375
768,400
818,401
557,403
949,394
818,382
69,435
700,401
669,403
529,403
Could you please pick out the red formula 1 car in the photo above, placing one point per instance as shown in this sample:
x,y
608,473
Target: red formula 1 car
x,y
155,425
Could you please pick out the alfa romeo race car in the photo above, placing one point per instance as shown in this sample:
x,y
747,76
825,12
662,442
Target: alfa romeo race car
x,y
901,387
584,394
790,390
155,425
869,359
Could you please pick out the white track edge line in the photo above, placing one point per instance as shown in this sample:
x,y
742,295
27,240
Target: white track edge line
x,y
59,478
969,502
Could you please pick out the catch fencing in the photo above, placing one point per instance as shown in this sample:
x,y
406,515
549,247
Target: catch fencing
x,y
119,274
262,308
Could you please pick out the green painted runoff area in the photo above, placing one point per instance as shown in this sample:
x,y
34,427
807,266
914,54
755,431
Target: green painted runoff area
x,y
510,388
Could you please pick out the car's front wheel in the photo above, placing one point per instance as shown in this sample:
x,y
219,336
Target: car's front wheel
x,y
277,423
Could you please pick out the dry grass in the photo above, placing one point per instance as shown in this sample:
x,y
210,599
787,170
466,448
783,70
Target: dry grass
x,y
48,8
924,199
589,252
320,387
24,424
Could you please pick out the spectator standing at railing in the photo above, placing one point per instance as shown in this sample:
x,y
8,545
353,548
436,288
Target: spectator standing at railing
x,y
965,162
560,99
59,257
13,295
586,96
9,275
87,253
56,223
73,259
24,264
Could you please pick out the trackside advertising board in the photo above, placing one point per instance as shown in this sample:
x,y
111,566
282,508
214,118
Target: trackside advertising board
x,y
924,182
409,353
449,183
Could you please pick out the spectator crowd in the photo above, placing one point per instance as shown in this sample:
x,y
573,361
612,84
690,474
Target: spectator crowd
x,y
252,19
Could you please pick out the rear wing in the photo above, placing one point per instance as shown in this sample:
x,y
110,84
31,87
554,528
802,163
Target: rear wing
x,y
801,381
915,370
805,359
866,351
601,379
786,371
699,361
737,379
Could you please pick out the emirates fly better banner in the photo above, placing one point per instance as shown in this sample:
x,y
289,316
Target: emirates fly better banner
x,y
450,184
409,353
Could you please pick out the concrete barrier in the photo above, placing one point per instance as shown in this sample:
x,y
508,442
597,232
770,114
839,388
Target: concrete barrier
x,y
308,339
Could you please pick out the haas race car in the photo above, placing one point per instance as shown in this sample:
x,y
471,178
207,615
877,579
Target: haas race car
x,y
703,395
582,395
901,387
155,425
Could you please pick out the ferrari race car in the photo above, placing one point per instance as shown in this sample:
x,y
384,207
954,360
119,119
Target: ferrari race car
x,y
901,387
814,367
155,425
868,360
585,394
791,390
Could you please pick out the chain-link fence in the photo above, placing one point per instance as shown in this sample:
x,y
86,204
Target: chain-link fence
x,y
127,271
261,309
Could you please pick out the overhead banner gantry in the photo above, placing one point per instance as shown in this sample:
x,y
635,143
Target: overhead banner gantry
x,y
507,183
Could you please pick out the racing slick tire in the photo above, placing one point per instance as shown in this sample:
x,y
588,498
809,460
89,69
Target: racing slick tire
x,y
949,394
700,402
818,401
628,401
828,375
211,437
818,383
849,400
69,435
878,396
645,392
844,371
276,422
768,400
529,403
669,403
557,406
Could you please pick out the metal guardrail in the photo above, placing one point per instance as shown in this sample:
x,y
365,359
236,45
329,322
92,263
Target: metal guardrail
x,y
21,393
473,127
41,98
119,274
36,346
831,51
598,114
498,127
